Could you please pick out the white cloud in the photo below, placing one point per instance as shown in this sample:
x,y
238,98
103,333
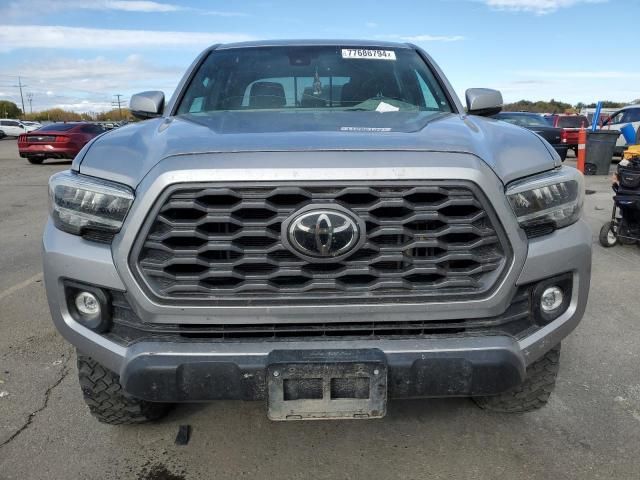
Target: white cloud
x,y
134,6
88,84
98,75
570,86
24,7
49,36
83,106
539,7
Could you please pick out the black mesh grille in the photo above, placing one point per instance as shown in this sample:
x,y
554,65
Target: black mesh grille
x,y
207,243
516,321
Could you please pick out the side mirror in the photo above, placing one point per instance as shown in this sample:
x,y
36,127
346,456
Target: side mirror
x,y
147,104
483,101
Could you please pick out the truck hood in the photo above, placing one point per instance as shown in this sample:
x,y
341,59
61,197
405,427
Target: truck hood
x,y
127,154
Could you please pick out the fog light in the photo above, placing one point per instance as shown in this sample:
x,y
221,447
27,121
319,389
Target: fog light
x,y
551,299
87,304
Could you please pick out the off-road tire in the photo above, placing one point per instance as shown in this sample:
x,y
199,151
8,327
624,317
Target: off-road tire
x,y
605,236
107,402
35,160
534,393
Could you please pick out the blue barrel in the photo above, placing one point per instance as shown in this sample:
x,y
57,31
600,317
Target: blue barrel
x,y
629,134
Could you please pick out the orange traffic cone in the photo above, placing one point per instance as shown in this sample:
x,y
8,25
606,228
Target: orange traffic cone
x,y
582,149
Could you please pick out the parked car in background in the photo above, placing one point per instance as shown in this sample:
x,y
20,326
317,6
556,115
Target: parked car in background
x,y
12,127
605,113
31,126
58,140
624,116
2,134
570,125
536,123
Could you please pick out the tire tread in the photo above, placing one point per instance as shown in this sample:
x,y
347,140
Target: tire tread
x,y
106,399
533,393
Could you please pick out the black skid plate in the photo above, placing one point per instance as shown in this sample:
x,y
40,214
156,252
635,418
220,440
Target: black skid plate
x,y
326,384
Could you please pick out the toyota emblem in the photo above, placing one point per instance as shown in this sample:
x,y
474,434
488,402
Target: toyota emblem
x,y
318,234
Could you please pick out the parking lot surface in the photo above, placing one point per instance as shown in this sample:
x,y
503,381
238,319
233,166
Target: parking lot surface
x,y
589,430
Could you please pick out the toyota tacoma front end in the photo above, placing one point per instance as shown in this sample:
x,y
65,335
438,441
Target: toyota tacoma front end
x,y
321,226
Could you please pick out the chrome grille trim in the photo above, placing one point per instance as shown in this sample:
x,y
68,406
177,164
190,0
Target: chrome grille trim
x,y
220,245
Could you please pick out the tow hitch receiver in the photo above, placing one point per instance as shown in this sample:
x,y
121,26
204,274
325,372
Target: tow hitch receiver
x,y
326,384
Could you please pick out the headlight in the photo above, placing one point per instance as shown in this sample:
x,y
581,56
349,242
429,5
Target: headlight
x,y
549,201
84,205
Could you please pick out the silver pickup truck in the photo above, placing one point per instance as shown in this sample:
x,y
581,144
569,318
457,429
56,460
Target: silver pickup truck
x,y
319,225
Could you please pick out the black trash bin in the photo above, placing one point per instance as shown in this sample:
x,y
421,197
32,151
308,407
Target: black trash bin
x,y
600,146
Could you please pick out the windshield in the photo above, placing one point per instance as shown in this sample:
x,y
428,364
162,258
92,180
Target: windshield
x,y
313,78
525,120
58,127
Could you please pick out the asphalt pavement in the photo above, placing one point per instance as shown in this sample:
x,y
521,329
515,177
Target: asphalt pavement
x,y
589,430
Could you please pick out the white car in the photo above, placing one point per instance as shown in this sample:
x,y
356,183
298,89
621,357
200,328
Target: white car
x,y
31,126
624,116
13,128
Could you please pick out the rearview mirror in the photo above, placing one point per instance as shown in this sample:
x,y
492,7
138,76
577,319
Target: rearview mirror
x,y
147,104
483,101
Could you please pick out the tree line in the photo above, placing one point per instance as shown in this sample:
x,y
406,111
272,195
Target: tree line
x,y
11,110
554,106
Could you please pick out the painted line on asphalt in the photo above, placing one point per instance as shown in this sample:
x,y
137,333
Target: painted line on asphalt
x,y
11,290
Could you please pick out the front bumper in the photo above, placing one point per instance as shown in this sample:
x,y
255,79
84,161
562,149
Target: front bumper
x,y
426,368
429,366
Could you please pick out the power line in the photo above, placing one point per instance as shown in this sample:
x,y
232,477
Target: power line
x,y
118,103
30,100
20,85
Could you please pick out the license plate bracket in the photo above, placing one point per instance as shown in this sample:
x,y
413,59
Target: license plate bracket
x,y
326,384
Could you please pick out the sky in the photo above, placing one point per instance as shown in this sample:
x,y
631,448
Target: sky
x,y
77,54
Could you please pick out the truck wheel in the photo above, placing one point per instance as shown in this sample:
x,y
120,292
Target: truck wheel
x,y
35,160
106,400
607,237
563,156
533,393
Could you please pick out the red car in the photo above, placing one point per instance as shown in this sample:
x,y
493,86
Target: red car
x,y
570,125
58,140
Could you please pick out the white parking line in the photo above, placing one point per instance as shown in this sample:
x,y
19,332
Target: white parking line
x,y
11,290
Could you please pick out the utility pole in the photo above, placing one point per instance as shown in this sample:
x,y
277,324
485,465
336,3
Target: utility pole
x,y
30,100
20,85
118,103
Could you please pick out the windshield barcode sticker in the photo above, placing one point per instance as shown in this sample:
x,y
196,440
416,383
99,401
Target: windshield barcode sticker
x,y
368,54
